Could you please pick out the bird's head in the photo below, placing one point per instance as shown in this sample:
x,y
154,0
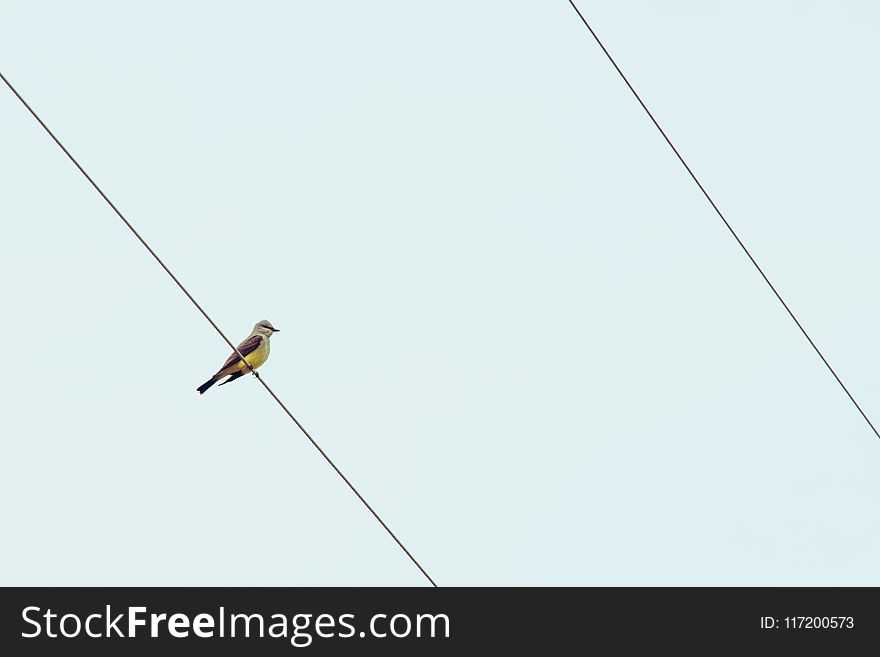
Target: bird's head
x,y
264,327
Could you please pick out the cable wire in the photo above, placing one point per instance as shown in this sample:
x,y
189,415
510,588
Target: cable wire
x,y
217,328
726,223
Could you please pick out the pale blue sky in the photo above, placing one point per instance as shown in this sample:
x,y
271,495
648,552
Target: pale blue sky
x,y
507,312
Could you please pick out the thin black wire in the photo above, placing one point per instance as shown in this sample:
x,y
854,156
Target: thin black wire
x,y
217,328
726,223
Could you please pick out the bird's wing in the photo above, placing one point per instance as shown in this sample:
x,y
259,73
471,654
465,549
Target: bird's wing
x,y
248,346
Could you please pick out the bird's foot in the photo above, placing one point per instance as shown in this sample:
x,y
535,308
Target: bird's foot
x,y
256,374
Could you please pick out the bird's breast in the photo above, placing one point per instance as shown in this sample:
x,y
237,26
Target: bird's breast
x,y
259,355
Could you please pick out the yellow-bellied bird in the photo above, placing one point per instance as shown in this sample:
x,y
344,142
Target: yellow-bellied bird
x,y
255,349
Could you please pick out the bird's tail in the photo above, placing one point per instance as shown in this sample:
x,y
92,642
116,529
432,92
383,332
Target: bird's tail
x,y
233,378
207,384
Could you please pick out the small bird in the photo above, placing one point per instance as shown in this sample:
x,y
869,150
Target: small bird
x,y
255,349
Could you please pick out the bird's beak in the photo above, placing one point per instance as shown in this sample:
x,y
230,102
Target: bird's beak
x,y
275,330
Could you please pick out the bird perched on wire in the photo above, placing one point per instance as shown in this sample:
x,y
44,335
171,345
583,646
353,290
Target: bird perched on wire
x,y
254,348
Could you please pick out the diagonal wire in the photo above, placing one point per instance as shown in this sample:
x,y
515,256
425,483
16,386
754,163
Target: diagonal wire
x,y
726,223
217,328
